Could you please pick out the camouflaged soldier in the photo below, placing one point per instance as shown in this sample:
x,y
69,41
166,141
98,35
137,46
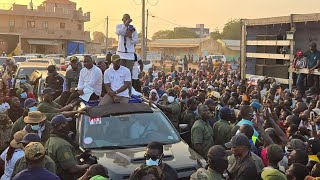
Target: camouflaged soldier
x,y
172,108
5,129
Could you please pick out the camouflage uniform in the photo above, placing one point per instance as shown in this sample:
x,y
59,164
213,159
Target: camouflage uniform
x,y
5,129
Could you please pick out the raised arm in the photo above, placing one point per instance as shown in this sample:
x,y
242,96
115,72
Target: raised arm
x,y
121,30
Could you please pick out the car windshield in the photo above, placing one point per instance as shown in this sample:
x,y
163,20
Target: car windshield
x,y
20,59
125,131
29,70
146,62
217,57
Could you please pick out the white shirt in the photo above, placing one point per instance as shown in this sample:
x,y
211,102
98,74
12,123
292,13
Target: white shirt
x,y
126,51
116,78
9,165
135,70
90,79
4,107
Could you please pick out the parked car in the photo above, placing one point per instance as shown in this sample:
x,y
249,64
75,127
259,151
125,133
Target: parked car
x,y
54,56
118,134
47,61
38,55
38,79
27,68
20,59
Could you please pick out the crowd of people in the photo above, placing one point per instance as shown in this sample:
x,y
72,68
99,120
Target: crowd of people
x,y
245,129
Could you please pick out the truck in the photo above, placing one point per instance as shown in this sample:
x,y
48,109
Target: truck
x,y
268,45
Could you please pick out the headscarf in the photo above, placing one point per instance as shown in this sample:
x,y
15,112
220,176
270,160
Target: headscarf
x,y
157,96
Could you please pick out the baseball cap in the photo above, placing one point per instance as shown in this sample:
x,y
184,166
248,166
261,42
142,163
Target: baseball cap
x,y
74,59
210,102
225,112
115,58
34,151
272,174
31,137
58,119
48,91
28,103
238,140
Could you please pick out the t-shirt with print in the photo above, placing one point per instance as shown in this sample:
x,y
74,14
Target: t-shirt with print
x,y
116,79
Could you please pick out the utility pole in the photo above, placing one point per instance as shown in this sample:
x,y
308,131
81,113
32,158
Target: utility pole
x,y
146,42
107,35
143,42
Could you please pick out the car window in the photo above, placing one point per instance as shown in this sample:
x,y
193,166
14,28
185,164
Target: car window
x,y
28,71
2,61
146,62
20,59
56,60
127,130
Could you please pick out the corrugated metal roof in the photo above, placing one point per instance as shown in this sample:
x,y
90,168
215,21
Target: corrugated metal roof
x,y
228,43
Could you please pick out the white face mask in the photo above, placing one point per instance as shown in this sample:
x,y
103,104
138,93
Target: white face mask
x,y
170,99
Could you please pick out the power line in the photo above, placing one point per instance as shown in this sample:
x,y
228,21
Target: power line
x,y
167,21
153,4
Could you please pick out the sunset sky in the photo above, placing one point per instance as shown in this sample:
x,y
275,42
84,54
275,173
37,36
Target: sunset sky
x,y
212,13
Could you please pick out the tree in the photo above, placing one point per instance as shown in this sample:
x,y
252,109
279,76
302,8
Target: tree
x,y
98,37
216,34
182,32
232,29
163,34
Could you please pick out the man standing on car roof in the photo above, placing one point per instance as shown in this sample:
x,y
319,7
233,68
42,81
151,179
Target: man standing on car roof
x,y
54,81
128,38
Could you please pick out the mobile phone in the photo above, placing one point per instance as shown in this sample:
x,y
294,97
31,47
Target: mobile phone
x,y
311,116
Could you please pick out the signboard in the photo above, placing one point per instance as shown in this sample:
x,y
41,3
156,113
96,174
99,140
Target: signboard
x,y
153,56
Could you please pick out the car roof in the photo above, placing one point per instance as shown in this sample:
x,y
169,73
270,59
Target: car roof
x,y
33,64
41,59
119,109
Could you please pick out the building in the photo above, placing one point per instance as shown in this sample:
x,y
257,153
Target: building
x,y
56,26
175,48
229,48
199,30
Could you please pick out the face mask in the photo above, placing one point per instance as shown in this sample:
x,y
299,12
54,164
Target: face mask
x,y
36,127
33,108
23,95
23,81
170,99
151,162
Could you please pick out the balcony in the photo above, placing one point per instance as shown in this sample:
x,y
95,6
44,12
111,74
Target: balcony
x,y
34,33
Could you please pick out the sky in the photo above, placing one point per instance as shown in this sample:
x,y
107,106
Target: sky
x,y
172,13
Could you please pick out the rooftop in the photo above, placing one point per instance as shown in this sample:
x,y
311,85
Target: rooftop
x,y
231,44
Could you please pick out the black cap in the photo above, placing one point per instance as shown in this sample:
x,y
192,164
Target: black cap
x,y
238,140
31,137
51,69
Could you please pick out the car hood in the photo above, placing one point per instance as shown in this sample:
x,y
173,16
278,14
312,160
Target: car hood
x,y
122,162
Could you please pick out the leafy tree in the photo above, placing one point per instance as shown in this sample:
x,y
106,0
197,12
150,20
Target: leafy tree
x,y
232,29
182,32
98,37
216,34
163,34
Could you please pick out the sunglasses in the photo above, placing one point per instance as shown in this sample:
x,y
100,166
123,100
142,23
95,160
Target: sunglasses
x,y
154,158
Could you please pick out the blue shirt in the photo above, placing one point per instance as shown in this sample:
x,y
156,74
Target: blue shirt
x,y
244,121
313,58
35,173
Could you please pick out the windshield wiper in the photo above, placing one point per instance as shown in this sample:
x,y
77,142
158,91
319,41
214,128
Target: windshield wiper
x,y
119,147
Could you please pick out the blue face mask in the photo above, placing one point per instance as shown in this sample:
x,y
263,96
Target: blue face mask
x,y
24,95
23,81
36,127
151,162
33,108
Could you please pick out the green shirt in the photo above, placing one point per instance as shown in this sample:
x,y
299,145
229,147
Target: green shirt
x,y
222,132
21,165
201,133
174,115
49,109
17,126
189,118
206,174
62,153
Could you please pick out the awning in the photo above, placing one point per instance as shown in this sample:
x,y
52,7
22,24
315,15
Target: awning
x,y
43,42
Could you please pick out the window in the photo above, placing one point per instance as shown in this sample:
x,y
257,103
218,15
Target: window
x,y
65,11
11,23
62,25
31,24
45,25
79,27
